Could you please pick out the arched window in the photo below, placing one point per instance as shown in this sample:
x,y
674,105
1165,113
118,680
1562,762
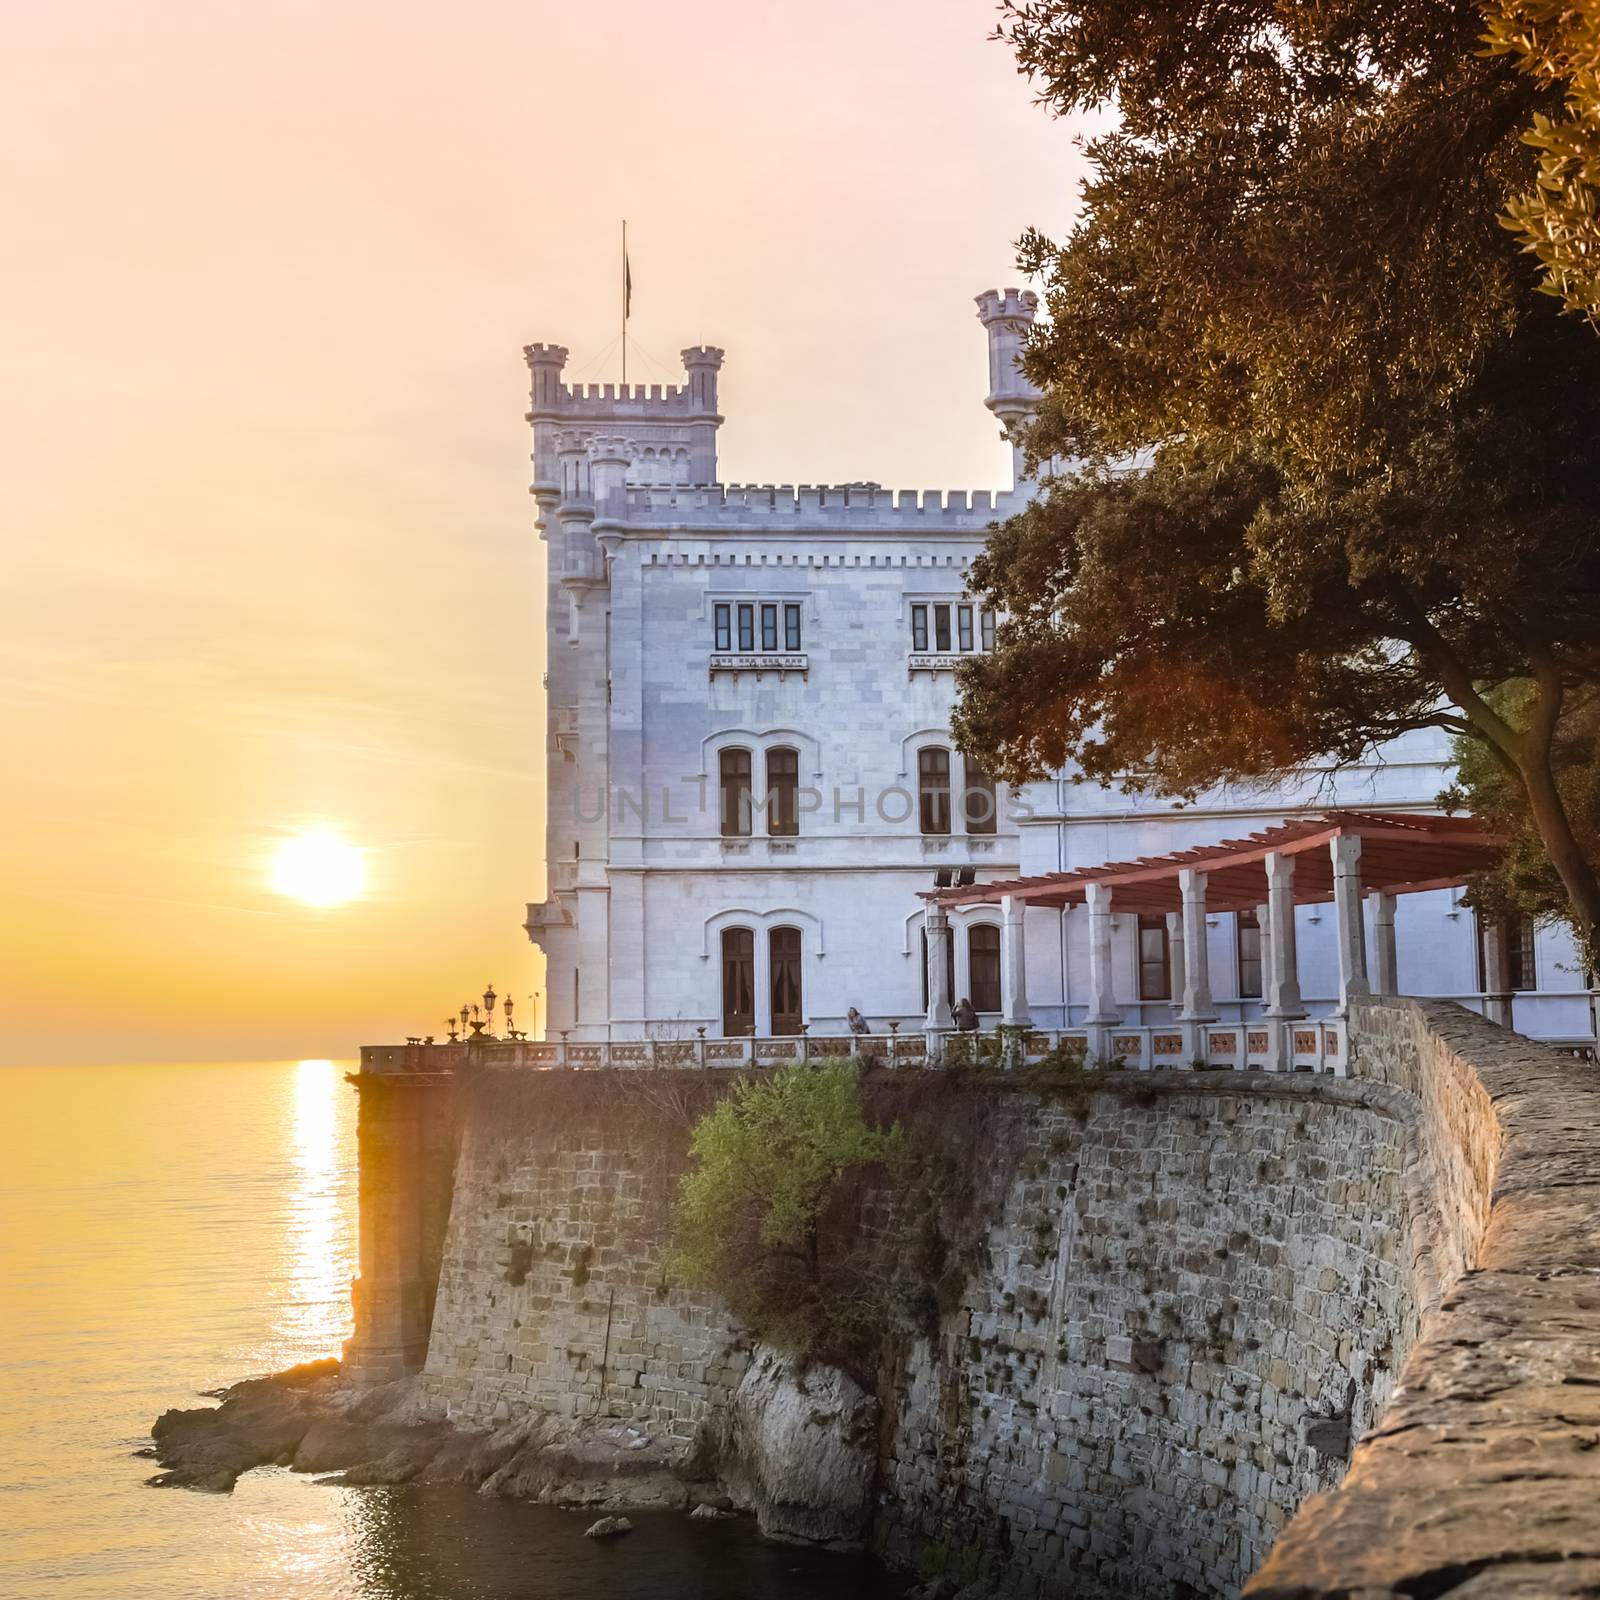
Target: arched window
x,y
783,792
979,808
933,789
783,962
738,983
733,773
983,966
949,968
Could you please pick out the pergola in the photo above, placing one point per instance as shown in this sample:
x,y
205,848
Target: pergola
x,y
1338,856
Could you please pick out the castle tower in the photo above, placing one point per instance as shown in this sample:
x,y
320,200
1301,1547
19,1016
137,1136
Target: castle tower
x,y
1007,318
702,362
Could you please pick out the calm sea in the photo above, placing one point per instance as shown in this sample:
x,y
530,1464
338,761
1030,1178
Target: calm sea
x,y
168,1229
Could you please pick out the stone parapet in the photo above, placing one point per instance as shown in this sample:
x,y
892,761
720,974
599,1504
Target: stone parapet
x,y
1482,1476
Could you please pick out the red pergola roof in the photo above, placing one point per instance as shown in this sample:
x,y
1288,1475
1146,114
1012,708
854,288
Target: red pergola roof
x,y
1402,852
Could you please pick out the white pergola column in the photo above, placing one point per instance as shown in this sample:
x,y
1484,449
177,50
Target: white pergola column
x,y
1102,995
1349,924
1013,965
936,924
1280,961
1197,1009
1282,987
1385,956
1275,1061
1175,956
1104,1013
1496,973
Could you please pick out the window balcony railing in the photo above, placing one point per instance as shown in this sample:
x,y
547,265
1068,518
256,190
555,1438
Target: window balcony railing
x,y
759,661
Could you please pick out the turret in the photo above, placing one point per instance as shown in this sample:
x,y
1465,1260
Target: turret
x,y
1006,318
546,362
610,456
702,362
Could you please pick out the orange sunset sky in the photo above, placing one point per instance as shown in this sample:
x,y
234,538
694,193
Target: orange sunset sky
x,y
267,551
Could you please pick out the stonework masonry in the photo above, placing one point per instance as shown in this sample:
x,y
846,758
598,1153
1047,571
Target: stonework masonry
x,y
408,1129
1178,1284
1156,1308
1482,1478
555,1294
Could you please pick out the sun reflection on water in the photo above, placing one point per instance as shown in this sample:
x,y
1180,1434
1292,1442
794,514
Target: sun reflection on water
x,y
315,1313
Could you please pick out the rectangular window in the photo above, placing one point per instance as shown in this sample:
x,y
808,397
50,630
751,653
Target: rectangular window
x,y
1520,950
724,628
941,627
1521,963
791,627
769,627
986,628
919,627
964,627
1247,929
1155,965
747,627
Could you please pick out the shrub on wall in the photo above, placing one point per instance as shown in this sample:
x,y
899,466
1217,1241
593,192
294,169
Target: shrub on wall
x,y
759,1215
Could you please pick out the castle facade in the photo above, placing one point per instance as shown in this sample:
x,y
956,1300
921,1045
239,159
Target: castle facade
x,y
752,780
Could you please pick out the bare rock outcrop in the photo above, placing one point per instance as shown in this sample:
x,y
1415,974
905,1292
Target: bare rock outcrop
x,y
799,1448
311,1419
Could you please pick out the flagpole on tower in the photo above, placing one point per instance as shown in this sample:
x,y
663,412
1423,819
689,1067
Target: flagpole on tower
x,y
627,299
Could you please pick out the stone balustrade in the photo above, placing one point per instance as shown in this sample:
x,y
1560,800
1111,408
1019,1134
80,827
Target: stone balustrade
x,y
1315,1046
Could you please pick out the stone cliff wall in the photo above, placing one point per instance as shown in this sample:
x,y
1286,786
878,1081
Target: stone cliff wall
x,y
1176,1282
1150,1294
554,1294
407,1132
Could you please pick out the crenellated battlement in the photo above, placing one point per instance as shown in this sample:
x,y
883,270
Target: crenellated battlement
x,y
553,400
792,508
672,395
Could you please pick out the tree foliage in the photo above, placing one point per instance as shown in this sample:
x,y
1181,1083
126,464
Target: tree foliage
x,y
1365,484
1558,220
1524,881
773,1161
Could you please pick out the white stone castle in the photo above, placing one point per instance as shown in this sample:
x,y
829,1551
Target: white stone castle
x,y
752,780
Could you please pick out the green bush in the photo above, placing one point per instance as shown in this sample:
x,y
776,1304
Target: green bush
x,y
769,1216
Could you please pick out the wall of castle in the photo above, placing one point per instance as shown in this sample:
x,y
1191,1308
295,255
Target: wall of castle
x,y
1170,1290
1151,1290
555,1294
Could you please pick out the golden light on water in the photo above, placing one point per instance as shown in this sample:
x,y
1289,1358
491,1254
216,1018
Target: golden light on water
x,y
316,1315
319,867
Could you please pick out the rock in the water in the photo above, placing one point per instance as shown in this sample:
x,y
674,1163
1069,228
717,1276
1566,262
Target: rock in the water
x,y
709,1511
608,1528
260,1420
801,1446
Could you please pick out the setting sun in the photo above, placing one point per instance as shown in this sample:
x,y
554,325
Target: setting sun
x,y
318,867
